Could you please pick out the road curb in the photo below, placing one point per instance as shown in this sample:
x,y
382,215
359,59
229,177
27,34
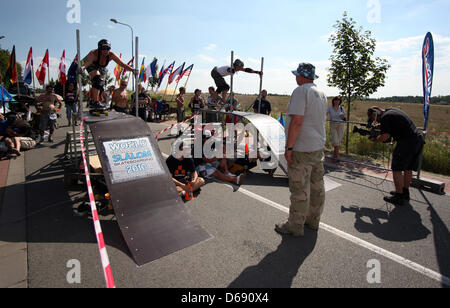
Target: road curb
x,y
13,228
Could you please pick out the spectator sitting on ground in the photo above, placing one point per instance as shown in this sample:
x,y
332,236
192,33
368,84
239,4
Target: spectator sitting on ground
x,y
216,167
10,132
184,174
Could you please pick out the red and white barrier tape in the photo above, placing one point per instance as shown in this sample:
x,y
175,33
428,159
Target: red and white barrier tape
x,y
174,125
98,230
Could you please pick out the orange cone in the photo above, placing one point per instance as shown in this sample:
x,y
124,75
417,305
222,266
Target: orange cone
x,y
189,196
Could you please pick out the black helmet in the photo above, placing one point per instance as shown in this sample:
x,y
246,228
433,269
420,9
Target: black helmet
x,y
104,44
238,63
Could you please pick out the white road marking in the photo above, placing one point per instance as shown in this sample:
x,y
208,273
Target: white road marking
x,y
378,250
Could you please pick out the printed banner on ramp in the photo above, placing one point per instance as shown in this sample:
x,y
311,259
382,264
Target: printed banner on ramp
x,y
131,160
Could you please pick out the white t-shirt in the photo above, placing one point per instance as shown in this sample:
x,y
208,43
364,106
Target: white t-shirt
x,y
308,101
224,71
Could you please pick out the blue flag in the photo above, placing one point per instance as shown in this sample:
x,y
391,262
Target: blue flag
x,y
427,72
153,67
4,97
72,73
281,120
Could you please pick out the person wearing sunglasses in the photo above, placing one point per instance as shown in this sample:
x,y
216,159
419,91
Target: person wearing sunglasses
x,y
96,63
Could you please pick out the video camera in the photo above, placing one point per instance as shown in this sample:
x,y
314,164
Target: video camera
x,y
372,132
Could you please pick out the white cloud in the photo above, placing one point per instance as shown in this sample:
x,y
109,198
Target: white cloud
x,y
211,46
205,58
400,45
92,37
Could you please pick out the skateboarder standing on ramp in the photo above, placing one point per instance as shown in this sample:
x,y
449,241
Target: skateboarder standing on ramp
x,y
96,63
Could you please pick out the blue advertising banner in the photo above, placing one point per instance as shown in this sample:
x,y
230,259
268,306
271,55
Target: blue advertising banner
x,y
428,70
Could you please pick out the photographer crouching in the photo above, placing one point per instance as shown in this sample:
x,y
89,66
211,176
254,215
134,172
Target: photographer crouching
x,y
396,124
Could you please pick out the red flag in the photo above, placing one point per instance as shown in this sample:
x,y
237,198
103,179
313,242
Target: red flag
x,y
42,70
176,73
11,71
187,72
62,69
118,71
130,64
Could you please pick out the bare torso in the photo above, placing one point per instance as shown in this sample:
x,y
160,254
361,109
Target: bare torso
x,y
120,98
48,101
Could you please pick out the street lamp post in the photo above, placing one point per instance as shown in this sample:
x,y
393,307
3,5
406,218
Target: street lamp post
x,y
132,37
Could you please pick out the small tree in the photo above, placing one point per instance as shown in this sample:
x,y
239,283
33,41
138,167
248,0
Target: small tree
x,y
353,70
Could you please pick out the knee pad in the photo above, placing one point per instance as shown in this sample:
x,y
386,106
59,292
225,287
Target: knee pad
x,y
98,83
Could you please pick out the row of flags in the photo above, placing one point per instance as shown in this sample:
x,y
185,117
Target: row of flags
x,y
150,70
119,72
41,73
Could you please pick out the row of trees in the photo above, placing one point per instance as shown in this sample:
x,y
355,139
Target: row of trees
x,y
437,100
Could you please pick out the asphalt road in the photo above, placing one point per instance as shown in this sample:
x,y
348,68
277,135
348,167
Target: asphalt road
x,y
410,246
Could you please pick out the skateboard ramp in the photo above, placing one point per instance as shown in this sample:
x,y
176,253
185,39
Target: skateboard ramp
x,y
153,219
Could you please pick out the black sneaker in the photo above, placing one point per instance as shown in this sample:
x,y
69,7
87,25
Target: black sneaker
x,y
397,200
405,194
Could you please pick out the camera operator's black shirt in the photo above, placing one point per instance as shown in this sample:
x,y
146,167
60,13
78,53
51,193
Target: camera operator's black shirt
x,y
180,170
397,124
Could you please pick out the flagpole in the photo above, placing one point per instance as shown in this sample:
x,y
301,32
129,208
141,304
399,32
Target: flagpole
x,y
32,75
165,91
175,92
3,96
48,69
17,81
185,85
136,94
260,86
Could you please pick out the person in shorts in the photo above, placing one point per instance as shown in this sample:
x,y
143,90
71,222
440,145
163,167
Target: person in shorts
x,y
45,103
397,124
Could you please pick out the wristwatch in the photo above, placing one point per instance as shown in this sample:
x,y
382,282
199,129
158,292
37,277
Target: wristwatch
x,y
289,149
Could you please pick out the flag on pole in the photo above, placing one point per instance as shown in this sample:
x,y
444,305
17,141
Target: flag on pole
x,y
186,72
141,72
11,71
118,71
42,70
62,69
170,68
4,95
153,67
27,73
161,72
428,70
176,73
72,72
130,63
281,120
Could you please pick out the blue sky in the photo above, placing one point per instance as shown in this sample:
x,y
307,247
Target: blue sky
x,y
204,33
